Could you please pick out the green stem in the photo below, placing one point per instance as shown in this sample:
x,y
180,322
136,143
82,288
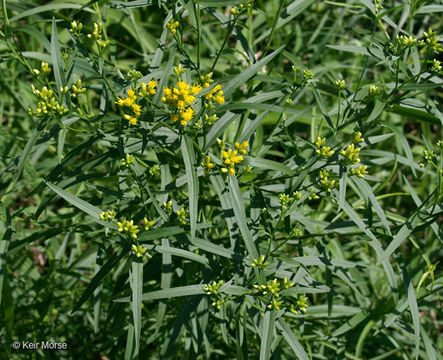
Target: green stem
x,y
231,27
361,339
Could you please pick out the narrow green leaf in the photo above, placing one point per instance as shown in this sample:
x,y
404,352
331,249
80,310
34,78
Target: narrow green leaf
x,y
192,179
292,340
98,278
89,209
4,244
375,242
27,151
57,63
412,299
181,253
46,8
249,72
266,335
130,353
165,283
343,177
179,291
430,9
374,52
137,290
269,165
61,143
97,293
351,323
240,215
367,190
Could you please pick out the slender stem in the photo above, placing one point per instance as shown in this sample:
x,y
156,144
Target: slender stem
x,y
196,4
274,24
231,27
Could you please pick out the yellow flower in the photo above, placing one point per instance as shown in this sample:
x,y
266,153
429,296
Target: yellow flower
x,y
178,97
128,227
216,89
148,89
360,171
232,157
179,70
323,151
187,115
129,101
350,155
171,26
128,160
207,165
138,250
45,68
206,80
356,139
230,170
148,224
196,88
242,147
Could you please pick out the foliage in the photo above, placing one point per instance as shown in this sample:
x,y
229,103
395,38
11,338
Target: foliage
x,y
222,179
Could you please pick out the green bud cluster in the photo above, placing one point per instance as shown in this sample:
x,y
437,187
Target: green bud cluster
x,y
128,161
182,215
260,262
107,215
154,170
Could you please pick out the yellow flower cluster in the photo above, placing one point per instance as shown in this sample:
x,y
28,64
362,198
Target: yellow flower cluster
x,y
48,103
216,94
301,305
207,165
45,69
312,195
432,41
231,157
143,90
129,101
350,155
171,26
148,89
77,88
181,98
324,151
206,80
360,171
148,224
128,227
357,138
325,182
284,200
273,288
76,29
97,35
213,288
138,250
